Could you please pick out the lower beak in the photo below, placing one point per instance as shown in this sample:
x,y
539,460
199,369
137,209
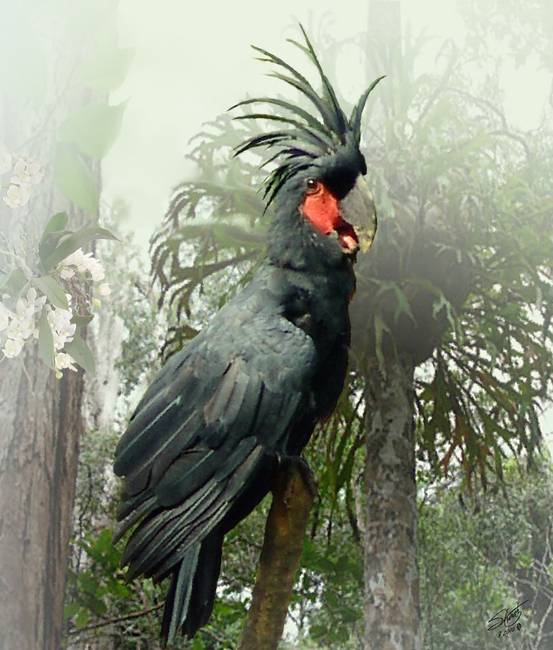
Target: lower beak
x,y
358,209
347,238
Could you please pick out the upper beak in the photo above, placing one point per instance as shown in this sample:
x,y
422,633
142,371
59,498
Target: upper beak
x,y
358,209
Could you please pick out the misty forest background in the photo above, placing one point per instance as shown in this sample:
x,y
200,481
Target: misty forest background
x,y
451,356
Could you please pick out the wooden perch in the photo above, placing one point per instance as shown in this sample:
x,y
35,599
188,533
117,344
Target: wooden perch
x,y
293,496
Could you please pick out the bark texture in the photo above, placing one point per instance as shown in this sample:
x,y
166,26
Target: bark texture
x,y
391,576
280,558
40,422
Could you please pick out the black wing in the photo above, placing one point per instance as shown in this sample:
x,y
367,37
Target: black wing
x,y
200,433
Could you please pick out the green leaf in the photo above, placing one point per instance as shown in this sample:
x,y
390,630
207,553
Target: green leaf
x,y
93,129
108,69
14,282
81,321
70,610
402,306
75,241
100,547
74,179
82,618
52,290
56,223
46,341
80,351
524,561
197,644
52,232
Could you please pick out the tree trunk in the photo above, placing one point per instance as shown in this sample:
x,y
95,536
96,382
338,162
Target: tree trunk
x,y
391,608
40,422
40,416
280,558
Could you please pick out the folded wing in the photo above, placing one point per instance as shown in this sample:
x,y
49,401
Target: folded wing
x,y
202,432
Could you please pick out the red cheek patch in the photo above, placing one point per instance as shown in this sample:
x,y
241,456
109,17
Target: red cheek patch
x,y
321,208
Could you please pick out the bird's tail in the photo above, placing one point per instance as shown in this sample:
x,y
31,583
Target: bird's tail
x,y
190,598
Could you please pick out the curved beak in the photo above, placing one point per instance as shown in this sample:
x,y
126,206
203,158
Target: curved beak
x,y
358,209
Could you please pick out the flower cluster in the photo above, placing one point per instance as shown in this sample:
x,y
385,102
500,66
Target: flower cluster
x,y
21,323
25,174
63,331
79,262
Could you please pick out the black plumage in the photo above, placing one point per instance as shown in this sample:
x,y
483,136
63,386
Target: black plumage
x,y
202,445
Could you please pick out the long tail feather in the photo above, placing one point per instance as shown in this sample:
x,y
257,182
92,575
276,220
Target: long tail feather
x,y
191,595
178,597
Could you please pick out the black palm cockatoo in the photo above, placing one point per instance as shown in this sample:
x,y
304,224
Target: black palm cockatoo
x,y
203,443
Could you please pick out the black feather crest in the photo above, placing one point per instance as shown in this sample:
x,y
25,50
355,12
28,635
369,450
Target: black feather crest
x,y
309,136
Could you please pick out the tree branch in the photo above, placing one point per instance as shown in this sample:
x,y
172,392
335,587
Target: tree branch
x,y
119,619
293,496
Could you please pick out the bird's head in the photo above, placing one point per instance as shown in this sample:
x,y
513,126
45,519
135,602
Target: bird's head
x,y
317,184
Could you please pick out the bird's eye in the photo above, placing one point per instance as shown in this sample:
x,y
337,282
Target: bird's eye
x,y
312,185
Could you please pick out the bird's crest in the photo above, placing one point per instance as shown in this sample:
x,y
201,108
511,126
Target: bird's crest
x,y
305,137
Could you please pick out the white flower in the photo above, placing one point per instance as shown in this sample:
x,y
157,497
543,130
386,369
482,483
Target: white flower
x,y
83,262
32,300
27,171
28,306
6,160
17,195
66,273
64,360
12,347
96,269
20,328
76,259
63,329
104,290
5,315
21,324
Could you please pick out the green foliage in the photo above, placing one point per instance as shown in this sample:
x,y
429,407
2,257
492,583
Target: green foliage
x,y
135,302
93,129
87,134
106,70
525,29
52,289
221,253
14,282
330,590
74,178
80,351
98,585
62,243
480,557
